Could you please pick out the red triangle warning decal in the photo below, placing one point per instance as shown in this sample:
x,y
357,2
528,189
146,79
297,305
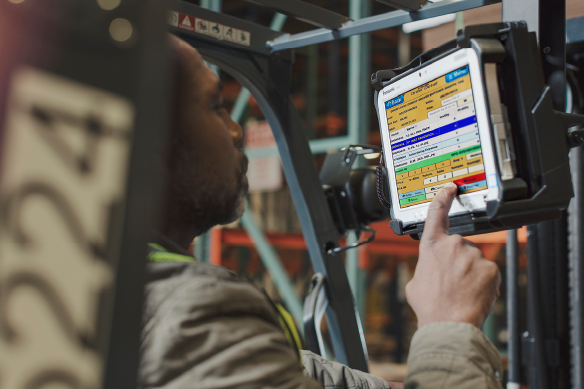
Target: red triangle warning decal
x,y
186,22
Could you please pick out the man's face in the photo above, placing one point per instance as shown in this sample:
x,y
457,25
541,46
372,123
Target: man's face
x,y
207,168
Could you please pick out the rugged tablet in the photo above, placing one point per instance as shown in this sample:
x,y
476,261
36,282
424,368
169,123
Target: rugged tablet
x,y
435,129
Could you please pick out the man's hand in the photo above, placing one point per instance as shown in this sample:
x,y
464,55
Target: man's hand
x,y
453,280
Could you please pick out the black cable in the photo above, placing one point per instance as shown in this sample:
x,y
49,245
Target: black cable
x,y
380,194
354,245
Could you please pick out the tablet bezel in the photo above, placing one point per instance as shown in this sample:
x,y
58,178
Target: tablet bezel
x,y
465,203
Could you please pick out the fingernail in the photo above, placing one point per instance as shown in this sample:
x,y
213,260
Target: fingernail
x,y
450,185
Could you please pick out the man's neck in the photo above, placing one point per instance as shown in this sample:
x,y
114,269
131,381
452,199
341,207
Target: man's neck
x,y
183,237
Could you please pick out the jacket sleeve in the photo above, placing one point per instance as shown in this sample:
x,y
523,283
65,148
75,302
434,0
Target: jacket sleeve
x,y
336,375
452,355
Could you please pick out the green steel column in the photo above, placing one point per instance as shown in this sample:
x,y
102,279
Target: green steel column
x,y
354,113
240,104
312,59
352,267
272,263
404,48
357,129
489,327
202,247
458,22
366,92
278,22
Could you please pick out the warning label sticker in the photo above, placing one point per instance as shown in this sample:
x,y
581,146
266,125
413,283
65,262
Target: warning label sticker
x,y
173,18
202,26
186,22
206,27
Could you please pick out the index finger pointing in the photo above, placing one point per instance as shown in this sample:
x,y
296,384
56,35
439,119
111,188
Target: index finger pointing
x,y
437,220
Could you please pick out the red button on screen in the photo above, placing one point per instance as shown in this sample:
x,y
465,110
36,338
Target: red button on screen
x,y
471,179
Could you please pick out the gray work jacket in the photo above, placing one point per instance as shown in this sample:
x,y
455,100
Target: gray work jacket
x,y
205,327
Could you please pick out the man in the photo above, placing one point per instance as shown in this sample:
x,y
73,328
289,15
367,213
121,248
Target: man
x,y
205,327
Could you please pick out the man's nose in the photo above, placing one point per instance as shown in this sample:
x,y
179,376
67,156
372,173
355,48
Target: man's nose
x,y
236,133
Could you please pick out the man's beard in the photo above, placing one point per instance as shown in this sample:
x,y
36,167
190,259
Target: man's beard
x,y
201,201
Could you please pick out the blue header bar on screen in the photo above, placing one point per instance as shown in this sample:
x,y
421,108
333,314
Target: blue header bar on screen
x,y
457,74
393,102
436,132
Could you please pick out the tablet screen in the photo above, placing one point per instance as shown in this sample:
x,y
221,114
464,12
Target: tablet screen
x,y
434,139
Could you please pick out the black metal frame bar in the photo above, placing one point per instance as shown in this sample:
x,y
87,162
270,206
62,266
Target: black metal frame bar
x,y
151,95
546,344
514,337
575,44
77,47
576,253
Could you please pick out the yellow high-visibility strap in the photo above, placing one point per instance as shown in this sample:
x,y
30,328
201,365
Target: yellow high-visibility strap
x,y
289,326
160,254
